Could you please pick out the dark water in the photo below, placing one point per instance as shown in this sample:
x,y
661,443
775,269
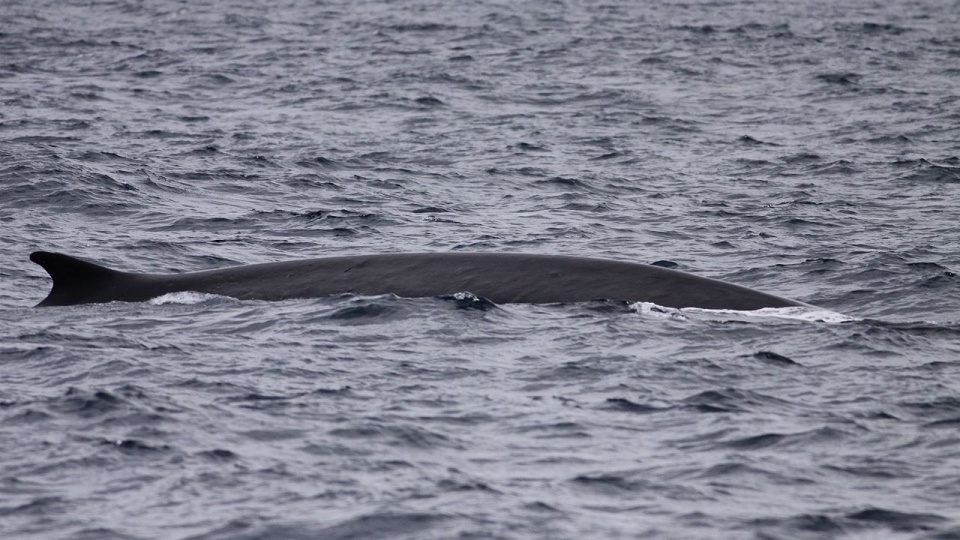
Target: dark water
x,y
810,149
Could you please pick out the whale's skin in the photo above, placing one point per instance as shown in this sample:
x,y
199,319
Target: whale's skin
x,y
502,278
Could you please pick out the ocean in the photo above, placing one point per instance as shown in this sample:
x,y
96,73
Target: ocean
x,y
809,149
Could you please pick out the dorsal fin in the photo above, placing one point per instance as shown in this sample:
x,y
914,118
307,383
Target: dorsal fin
x,y
74,280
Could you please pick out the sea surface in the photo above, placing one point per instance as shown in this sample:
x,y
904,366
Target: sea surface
x,y
806,148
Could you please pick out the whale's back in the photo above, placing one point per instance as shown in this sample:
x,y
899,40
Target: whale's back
x,y
499,277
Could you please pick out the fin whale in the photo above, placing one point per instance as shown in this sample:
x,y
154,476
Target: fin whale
x,y
499,277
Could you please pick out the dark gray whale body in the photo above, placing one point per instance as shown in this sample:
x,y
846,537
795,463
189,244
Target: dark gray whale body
x,y
498,277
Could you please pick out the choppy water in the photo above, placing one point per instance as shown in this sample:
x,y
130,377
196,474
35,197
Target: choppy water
x,y
808,149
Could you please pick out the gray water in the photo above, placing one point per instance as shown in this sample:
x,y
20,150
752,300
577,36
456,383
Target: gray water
x,y
807,149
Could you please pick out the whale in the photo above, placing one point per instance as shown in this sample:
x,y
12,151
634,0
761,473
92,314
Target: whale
x,y
502,278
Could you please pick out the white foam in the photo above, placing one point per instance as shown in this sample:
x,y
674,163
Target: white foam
x,y
184,297
797,313
649,309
